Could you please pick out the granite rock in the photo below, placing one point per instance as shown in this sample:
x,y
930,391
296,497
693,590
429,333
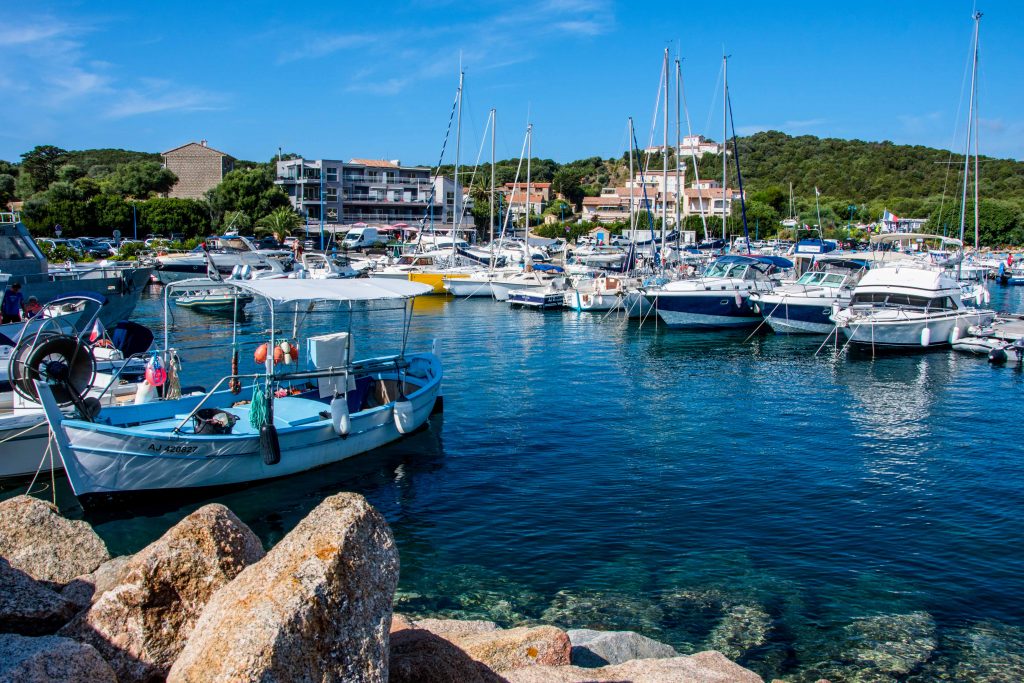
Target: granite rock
x,y
703,667
419,656
506,649
27,606
86,589
141,624
36,539
51,659
317,607
599,648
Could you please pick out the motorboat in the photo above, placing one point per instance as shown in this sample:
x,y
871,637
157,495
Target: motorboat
x,y
22,262
213,298
539,277
806,306
431,267
107,372
602,293
315,266
226,253
476,284
908,305
720,297
1001,341
279,420
547,298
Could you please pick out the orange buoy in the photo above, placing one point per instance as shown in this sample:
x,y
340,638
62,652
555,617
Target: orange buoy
x,y
261,354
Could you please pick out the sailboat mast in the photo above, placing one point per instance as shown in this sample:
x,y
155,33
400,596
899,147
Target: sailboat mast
x,y
664,157
977,209
494,124
458,150
970,123
679,147
725,138
527,261
632,217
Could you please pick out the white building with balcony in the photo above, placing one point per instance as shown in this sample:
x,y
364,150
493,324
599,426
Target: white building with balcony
x,y
374,191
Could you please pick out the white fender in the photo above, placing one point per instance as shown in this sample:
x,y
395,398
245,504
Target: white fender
x,y
340,419
954,336
926,337
145,393
739,299
404,416
286,350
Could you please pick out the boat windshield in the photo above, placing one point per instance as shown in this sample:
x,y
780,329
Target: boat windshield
x,y
15,247
733,270
895,300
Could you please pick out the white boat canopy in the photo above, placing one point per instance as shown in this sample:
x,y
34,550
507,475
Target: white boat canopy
x,y
360,289
891,237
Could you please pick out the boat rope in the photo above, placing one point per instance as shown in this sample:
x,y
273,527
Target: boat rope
x,y
47,456
21,433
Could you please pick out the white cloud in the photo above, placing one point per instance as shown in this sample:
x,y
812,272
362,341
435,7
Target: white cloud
x,y
48,70
484,43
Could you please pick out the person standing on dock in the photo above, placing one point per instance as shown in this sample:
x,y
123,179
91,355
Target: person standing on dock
x,y
12,303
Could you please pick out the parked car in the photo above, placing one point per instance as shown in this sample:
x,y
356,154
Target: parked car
x,y
268,243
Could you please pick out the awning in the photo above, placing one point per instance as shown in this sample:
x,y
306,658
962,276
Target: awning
x,y
359,289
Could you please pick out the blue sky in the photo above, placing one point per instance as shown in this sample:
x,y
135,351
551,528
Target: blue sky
x,y
377,79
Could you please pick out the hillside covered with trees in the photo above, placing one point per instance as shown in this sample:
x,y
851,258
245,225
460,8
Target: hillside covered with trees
x,y
97,191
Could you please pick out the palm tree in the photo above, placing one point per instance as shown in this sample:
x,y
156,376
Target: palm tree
x,y
282,222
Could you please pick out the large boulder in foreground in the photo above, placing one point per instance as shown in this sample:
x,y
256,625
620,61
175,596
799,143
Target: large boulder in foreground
x,y
503,649
51,659
36,539
316,608
703,667
419,656
86,589
599,648
140,625
27,606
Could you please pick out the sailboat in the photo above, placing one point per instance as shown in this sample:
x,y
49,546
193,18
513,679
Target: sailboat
x,y
721,296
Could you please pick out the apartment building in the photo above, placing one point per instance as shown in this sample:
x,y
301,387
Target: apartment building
x,y
373,191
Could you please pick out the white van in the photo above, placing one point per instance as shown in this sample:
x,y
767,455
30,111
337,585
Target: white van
x,y
362,238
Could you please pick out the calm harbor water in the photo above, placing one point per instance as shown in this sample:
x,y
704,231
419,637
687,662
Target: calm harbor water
x,y
809,515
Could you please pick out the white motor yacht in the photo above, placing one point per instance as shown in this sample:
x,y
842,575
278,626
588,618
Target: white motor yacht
x,y
908,305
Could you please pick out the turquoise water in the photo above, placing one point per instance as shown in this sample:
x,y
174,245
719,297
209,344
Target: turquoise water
x,y
809,515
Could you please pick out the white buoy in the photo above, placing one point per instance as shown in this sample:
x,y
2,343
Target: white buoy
x,y
403,416
926,337
954,336
986,296
340,419
145,393
739,300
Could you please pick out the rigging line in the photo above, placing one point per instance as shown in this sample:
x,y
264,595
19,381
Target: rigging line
x,y
654,120
956,126
508,212
714,101
440,160
693,156
476,166
739,176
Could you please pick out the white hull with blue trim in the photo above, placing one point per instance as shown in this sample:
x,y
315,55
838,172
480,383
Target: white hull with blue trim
x,y
120,455
721,297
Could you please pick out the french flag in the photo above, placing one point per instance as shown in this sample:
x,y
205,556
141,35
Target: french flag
x,y
97,332
890,217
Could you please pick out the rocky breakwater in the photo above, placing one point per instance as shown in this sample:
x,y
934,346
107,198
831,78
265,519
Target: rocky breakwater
x,y
205,603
